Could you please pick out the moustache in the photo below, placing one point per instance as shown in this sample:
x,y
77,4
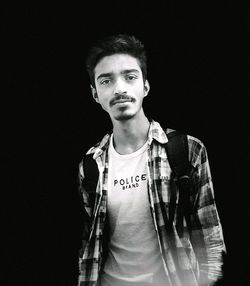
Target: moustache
x,y
121,97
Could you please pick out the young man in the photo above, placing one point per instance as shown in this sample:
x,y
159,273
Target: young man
x,y
129,238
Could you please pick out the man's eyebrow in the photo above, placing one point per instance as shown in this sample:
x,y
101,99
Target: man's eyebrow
x,y
129,71
109,74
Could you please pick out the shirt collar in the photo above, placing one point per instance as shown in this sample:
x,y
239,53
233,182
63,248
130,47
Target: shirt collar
x,y
100,147
156,132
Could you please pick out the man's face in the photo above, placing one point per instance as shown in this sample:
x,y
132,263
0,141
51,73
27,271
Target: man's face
x,y
119,86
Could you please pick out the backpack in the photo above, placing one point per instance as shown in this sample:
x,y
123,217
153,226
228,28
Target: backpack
x,y
183,174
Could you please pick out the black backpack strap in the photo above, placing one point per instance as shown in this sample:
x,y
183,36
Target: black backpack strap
x,y
90,168
177,152
91,175
178,156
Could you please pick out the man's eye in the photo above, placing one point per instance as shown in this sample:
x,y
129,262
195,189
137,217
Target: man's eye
x,y
105,81
131,77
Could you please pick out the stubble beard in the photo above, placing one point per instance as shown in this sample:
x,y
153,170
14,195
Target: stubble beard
x,y
123,117
124,114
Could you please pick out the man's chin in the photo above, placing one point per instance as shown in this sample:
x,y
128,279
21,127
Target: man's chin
x,y
123,117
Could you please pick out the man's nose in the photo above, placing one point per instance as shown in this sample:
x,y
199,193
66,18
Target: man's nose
x,y
120,87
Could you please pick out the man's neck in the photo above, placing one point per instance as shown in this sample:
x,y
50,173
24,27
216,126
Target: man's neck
x,y
130,135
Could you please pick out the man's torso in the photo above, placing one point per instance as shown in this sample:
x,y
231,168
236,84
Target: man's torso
x,y
134,256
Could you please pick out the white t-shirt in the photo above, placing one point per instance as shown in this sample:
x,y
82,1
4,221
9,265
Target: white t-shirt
x,y
134,255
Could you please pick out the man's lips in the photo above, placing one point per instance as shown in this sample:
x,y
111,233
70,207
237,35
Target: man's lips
x,y
121,99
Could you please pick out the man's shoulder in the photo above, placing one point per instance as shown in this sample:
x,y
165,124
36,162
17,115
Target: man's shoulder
x,y
100,146
196,147
197,142
192,140
92,149
197,150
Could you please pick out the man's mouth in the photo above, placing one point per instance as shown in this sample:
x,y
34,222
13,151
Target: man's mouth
x,y
121,99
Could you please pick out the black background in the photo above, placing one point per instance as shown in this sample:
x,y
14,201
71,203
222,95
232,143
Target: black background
x,y
196,68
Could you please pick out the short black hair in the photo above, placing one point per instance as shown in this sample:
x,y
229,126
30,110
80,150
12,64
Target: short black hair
x,y
116,44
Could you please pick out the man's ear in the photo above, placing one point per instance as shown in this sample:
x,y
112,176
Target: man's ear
x,y
146,87
94,93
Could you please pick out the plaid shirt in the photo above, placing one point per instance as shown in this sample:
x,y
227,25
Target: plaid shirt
x,y
191,258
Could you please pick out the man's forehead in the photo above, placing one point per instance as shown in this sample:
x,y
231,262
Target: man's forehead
x,y
117,63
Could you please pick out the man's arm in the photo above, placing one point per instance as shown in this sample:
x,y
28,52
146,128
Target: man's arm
x,y
207,235
86,207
